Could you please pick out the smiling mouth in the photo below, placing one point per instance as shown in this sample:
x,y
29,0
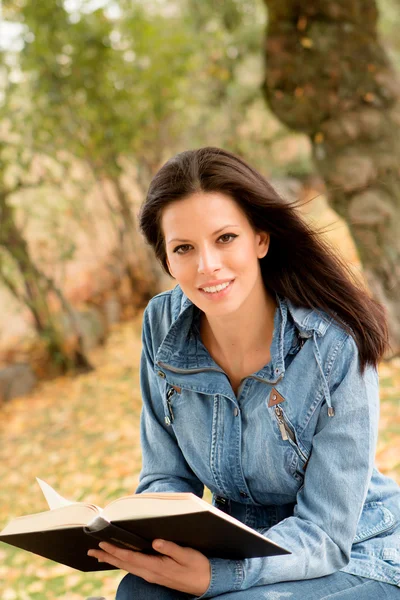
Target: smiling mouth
x,y
215,289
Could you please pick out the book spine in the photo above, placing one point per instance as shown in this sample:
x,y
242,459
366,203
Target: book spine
x,y
104,531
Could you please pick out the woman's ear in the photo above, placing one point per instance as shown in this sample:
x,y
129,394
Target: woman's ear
x,y
262,243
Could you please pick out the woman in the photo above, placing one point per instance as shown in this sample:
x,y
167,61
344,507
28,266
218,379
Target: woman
x,y
259,380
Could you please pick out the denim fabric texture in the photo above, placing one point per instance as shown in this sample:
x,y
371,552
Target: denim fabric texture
x,y
338,586
292,455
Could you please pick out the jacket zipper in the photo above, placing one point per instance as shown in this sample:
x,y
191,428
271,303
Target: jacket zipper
x,y
286,432
170,393
175,370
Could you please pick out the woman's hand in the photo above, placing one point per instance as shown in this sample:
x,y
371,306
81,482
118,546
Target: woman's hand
x,y
179,568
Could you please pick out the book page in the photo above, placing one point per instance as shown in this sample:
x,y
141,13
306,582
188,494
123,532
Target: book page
x,y
53,498
62,513
142,506
72,515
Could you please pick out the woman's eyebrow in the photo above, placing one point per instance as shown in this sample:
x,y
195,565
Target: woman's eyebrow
x,y
214,233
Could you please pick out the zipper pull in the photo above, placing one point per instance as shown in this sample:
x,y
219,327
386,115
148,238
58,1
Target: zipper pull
x,y
170,393
281,424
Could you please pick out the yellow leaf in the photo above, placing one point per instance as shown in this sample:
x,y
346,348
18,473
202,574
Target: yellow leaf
x,y
306,42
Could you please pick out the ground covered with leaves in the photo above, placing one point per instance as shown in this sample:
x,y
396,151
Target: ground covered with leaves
x,y
82,436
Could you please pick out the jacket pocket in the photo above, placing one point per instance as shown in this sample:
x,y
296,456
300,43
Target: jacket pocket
x,y
375,519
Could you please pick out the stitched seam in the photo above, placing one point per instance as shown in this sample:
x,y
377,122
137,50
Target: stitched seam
x,y
239,572
328,371
334,355
375,572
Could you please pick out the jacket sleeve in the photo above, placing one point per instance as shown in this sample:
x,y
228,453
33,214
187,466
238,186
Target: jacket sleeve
x,y
328,505
164,468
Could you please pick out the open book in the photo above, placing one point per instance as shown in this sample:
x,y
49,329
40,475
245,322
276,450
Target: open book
x,y
69,529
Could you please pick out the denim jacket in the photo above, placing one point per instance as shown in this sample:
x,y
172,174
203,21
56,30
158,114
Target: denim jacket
x,y
292,455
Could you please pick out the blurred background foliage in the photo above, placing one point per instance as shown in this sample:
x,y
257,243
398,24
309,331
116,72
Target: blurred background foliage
x,y
94,96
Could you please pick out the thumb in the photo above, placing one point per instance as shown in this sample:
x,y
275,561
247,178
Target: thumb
x,y
170,549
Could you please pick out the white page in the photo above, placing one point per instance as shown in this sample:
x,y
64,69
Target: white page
x,y
53,499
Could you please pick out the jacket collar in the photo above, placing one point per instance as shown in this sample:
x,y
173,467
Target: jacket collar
x,y
182,349
309,320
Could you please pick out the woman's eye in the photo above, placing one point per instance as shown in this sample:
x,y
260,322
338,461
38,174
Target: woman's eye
x,y
182,249
226,237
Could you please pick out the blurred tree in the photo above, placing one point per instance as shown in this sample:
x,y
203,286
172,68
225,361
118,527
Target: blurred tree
x,y
32,287
230,108
115,88
19,272
102,89
329,76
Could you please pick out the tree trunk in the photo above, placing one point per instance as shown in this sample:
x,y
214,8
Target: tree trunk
x,y
138,261
328,76
141,266
37,287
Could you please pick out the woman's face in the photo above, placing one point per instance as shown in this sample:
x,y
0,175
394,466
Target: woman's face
x,y
213,251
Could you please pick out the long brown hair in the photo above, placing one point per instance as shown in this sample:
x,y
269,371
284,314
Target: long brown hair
x,y
299,265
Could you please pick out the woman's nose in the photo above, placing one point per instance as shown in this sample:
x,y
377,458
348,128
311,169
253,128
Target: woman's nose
x,y
209,261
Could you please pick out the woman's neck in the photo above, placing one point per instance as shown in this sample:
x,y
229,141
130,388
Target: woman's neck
x,y
237,336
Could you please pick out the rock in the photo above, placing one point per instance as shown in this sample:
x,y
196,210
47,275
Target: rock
x,y
353,172
371,208
16,380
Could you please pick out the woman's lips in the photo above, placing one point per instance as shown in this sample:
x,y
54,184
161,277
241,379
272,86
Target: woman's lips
x,y
218,295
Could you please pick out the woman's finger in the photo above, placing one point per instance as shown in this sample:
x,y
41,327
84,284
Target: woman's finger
x,y
140,565
177,553
134,562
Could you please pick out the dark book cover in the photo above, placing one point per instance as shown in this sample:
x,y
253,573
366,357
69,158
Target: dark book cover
x,y
67,546
204,531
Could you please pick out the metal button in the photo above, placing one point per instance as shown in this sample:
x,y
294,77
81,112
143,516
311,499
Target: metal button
x,y
167,421
244,495
236,411
161,374
274,397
